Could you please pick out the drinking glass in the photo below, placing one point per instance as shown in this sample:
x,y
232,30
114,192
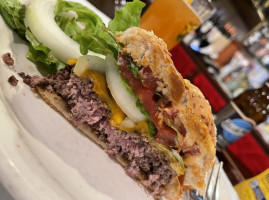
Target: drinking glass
x,y
170,20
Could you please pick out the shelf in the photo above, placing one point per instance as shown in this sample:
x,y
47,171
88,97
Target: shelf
x,y
201,67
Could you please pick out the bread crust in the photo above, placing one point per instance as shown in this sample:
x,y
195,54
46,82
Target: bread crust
x,y
196,115
147,49
192,109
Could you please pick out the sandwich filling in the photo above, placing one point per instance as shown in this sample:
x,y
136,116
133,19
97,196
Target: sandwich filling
x,y
145,87
142,156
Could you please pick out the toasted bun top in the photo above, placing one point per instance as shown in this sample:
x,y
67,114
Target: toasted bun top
x,y
194,111
146,49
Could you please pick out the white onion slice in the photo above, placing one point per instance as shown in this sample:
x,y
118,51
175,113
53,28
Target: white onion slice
x,y
40,19
122,97
89,62
127,123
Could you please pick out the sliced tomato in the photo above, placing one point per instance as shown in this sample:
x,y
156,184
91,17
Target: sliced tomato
x,y
165,134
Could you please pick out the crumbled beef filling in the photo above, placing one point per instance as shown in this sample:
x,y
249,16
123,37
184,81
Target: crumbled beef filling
x,y
86,107
12,80
8,59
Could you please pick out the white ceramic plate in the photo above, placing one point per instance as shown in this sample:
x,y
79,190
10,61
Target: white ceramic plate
x,y
42,156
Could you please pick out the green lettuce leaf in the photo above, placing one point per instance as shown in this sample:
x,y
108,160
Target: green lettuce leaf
x,y
13,13
138,103
133,67
86,28
178,157
126,17
40,53
152,130
92,23
100,43
129,89
141,108
176,161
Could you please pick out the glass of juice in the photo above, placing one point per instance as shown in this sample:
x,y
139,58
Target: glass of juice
x,y
170,20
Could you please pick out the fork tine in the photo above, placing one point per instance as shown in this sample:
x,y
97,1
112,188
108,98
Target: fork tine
x,y
209,181
211,192
214,196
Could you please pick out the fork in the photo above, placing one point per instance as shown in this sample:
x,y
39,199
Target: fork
x,y
212,190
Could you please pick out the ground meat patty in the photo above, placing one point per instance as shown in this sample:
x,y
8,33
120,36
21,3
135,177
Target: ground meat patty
x,y
12,80
86,107
8,59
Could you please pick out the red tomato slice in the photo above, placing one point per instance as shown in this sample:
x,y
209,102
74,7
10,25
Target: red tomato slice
x,y
165,134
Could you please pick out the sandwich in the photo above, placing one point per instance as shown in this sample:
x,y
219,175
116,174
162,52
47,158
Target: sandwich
x,y
169,146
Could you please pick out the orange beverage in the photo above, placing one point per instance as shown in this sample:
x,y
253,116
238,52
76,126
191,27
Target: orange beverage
x,y
170,20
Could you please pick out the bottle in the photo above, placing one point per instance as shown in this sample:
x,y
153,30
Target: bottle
x,y
254,103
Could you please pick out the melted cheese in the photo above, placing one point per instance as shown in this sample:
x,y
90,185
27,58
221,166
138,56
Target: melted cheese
x,y
117,116
72,61
100,87
141,127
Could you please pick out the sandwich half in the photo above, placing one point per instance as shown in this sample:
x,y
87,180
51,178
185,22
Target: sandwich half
x,y
168,152
182,107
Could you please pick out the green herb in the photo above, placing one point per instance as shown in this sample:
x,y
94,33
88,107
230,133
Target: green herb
x,y
126,17
152,130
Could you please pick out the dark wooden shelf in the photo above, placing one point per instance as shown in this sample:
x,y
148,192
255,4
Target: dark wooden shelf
x,y
201,67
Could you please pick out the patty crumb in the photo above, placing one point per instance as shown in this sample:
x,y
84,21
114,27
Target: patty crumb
x,y
8,59
12,80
